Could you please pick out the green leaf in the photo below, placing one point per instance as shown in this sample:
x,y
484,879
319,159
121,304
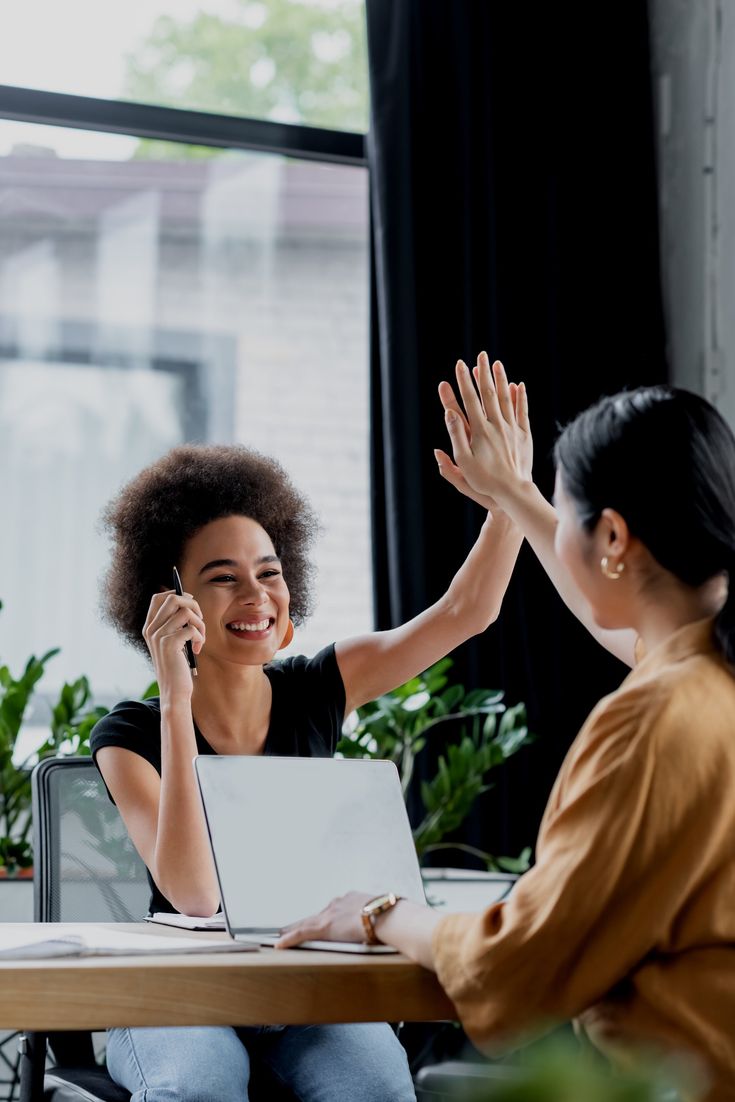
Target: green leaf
x,y
434,678
451,697
483,698
415,685
416,701
519,864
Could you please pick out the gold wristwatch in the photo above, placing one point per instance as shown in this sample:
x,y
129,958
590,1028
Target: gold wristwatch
x,y
370,912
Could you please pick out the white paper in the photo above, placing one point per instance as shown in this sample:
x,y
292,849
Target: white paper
x,y
188,922
28,941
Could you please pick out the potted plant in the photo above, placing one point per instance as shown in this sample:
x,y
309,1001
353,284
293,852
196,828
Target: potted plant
x,y
72,719
483,733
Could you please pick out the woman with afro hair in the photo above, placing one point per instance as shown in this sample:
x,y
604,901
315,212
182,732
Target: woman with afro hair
x,y
239,533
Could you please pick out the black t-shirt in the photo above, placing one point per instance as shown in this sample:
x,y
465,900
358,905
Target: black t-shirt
x,y
307,712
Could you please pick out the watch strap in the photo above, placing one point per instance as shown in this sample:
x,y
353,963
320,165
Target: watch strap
x,y
372,909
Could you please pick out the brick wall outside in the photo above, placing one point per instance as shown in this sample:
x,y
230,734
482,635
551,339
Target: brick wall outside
x,y
250,267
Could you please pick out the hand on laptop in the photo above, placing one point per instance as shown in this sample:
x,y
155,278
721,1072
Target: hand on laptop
x,y
339,921
408,926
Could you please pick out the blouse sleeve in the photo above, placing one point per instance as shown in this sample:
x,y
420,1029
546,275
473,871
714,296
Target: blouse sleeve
x,y
608,876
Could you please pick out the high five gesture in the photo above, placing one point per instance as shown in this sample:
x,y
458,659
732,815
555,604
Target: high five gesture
x,y
491,437
492,450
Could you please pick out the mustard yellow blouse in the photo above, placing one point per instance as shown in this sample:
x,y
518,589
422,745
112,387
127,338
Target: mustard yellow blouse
x,y
627,921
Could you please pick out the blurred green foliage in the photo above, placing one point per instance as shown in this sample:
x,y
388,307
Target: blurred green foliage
x,y
481,732
562,1071
285,60
72,718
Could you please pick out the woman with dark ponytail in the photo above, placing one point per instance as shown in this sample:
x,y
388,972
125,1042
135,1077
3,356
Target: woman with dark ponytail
x,y
664,459
626,922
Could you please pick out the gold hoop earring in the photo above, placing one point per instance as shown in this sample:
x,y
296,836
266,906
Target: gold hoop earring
x,y
288,636
613,575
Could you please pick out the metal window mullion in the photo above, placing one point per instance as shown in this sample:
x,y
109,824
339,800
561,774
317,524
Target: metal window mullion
x,y
171,124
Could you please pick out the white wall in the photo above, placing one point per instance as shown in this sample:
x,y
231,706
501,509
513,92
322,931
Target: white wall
x,y
693,45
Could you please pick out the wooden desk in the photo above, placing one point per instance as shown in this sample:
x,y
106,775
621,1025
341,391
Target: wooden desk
x,y
269,987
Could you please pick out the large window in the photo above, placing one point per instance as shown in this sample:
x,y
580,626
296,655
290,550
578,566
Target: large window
x,y
148,300
290,60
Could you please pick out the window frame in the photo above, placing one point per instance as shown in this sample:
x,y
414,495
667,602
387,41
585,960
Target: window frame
x,y
172,124
187,127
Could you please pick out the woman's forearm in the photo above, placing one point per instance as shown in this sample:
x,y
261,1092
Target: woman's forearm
x,y
537,520
476,593
409,928
184,870
374,664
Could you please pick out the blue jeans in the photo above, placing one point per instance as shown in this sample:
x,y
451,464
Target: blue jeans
x,y
362,1062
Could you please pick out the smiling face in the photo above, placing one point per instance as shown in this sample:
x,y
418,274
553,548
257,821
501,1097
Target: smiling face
x,y
230,566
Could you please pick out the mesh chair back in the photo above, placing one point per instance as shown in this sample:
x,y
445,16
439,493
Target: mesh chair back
x,y
86,868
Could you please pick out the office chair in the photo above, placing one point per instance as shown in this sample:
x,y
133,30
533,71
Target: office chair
x,y
455,1080
86,869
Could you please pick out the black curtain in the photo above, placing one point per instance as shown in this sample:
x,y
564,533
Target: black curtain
x,y
514,209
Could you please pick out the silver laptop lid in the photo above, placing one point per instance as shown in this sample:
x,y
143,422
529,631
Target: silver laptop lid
x,y
289,834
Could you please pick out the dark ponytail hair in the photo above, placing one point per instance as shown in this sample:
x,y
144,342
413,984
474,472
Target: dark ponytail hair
x,y
664,459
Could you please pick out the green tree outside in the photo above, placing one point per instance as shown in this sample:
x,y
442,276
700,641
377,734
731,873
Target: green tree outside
x,y
288,60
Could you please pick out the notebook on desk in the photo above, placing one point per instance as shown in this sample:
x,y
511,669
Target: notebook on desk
x,y
290,834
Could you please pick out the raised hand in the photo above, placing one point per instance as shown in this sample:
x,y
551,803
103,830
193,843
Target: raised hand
x,y
448,469
491,436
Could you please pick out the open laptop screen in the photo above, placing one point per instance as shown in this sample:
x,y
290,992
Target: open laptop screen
x,y
289,834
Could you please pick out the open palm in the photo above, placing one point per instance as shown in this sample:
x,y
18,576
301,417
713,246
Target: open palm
x,y
500,415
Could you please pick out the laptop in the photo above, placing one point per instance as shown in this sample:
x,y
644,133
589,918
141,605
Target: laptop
x,y
290,834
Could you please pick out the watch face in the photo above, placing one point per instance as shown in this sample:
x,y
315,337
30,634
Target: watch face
x,y
380,903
